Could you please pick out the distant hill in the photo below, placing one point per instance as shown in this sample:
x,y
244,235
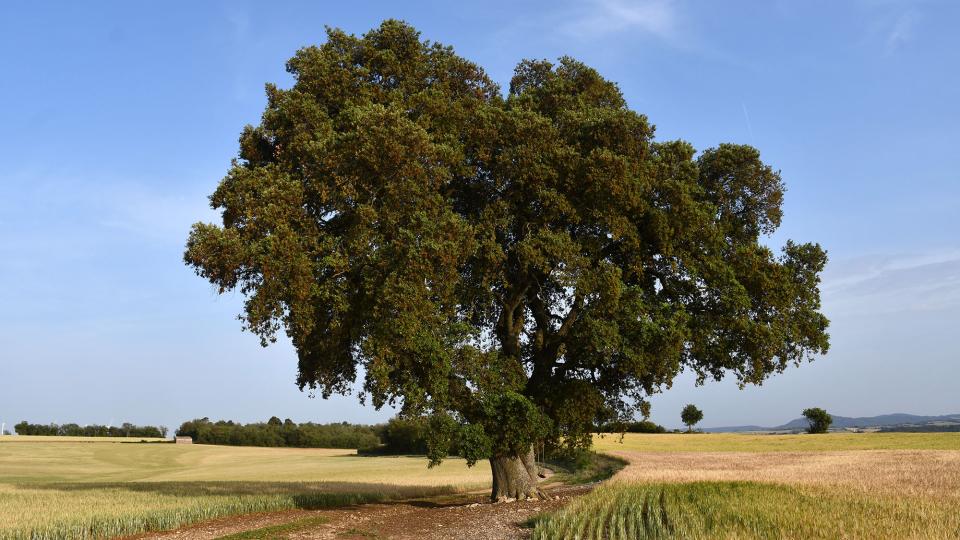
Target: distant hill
x,y
896,420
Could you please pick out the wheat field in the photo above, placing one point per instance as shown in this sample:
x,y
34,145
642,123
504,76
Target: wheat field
x,y
872,485
72,489
747,510
913,472
675,486
736,442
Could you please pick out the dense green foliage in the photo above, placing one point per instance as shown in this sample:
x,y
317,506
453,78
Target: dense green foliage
x,y
644,426
274,433
691,415
516,266
403,436
92,430
641,426
818,418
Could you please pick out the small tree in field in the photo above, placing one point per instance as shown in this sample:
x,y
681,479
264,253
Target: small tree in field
x,y
819,420
691,415
513,265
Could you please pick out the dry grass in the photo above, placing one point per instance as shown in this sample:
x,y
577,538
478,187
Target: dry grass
x,y
83,462
736,442
832,486
772,486
933,473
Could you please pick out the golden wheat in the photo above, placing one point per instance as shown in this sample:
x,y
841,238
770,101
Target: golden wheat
x,y
933,473
91,490
771,486
737,442
746,510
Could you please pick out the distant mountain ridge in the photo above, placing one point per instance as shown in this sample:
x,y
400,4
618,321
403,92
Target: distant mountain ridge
x,y
881,421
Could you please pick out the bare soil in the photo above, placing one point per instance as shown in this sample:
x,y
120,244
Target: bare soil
x,y
469,517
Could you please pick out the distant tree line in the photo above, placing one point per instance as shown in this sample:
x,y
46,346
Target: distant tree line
x,y
398,436
640,426
402,436
409,435
94,430
927,428
280,433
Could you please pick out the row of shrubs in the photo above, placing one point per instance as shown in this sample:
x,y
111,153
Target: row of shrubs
x,y
642,426
280,433
398,436
76,430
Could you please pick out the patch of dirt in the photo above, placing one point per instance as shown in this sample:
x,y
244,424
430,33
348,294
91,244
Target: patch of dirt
x,y
471,517
215,528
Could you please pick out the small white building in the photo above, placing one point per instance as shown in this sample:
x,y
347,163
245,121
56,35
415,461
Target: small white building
x,y
183,439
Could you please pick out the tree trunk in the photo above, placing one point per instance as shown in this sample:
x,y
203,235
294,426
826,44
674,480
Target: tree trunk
x,y
515,478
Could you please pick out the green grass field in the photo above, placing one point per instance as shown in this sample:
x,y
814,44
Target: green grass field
x,y
95,489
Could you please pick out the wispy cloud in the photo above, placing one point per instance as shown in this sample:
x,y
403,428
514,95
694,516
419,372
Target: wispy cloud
x,y
82,212
893,284
902,31
602,17
152,214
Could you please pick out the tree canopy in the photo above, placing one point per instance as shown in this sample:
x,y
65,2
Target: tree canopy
x,y
691,415
277,433
91,430
516,266
819,420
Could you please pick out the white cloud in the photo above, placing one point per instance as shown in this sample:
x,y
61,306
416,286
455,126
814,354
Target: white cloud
x,y
603,17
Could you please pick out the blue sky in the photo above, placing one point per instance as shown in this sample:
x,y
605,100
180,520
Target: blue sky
x,y
120,118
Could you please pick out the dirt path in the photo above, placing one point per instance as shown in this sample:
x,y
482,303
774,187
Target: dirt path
x,y
469,518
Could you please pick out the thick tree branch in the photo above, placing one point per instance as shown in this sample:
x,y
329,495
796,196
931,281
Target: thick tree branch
x,y
571,317
510,321
542,316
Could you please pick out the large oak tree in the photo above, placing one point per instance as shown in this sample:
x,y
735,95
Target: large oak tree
x,y
516,267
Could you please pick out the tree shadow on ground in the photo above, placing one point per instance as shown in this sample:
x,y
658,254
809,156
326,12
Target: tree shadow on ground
x,y
377,454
